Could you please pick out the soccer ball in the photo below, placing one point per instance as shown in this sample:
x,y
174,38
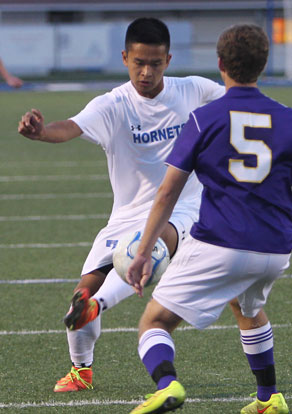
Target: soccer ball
x,y
125,252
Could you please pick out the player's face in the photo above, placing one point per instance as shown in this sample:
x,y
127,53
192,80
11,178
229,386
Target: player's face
x,y
146,65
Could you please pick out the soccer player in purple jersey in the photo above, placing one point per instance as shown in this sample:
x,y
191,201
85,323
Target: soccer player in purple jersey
x,y
240,147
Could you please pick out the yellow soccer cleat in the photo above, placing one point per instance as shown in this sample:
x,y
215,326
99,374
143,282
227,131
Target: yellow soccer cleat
x,y
167,399
275,405
76,380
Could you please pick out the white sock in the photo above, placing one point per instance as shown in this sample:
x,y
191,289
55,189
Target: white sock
x,y
153,337
82,341
113,291
257,341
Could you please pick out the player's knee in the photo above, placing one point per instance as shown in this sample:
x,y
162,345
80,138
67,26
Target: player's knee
x,y
156,316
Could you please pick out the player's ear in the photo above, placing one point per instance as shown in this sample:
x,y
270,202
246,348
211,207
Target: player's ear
x,y
125,57
221,65
222,69
169,56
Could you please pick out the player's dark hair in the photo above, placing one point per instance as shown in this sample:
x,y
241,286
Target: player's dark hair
x,y
149,31
243,50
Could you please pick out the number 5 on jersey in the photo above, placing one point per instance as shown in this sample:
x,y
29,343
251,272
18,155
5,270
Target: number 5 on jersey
x,y
237,168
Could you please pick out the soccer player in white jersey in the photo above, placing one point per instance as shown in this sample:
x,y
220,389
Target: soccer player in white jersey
x,y
137,125
240,147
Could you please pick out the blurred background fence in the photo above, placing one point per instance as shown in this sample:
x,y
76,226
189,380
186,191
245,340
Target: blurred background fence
x,y
38,37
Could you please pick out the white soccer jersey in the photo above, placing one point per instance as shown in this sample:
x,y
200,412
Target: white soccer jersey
x,y
138,133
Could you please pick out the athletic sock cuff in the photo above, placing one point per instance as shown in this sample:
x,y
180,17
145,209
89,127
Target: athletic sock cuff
x,y
257,341
154,337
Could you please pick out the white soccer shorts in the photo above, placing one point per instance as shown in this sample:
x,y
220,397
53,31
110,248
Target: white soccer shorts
x,y
105,242
202,278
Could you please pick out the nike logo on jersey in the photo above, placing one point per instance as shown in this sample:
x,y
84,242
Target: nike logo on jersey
x,y
162,134
264,409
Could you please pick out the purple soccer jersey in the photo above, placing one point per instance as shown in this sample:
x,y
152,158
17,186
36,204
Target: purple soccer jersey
x,y
240,147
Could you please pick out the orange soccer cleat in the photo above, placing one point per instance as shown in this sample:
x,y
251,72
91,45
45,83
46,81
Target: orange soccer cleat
x,y
83,310
77,379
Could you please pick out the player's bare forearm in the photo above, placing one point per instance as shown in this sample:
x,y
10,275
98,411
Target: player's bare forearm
x,y
61,131
32,126
165,200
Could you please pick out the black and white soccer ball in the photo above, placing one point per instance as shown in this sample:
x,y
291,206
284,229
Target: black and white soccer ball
x,y
125,252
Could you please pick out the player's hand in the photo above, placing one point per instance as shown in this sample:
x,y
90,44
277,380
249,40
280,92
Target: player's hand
x,y
139,272
14,81
32,125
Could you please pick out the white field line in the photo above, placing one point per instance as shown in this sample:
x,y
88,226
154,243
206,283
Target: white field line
x,y
30,164
61,280
30,178
53,196
94,402
37,281
56,217
286,276
128,330
44,245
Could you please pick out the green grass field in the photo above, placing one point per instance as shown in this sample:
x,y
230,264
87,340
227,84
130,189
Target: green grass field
x,y
54,199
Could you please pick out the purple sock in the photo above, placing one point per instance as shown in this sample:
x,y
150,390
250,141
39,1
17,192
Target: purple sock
x,y
155,356
259,364
258,345
264,393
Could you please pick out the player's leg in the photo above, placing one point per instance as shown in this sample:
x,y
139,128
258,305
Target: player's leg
x,y
192,290
97,291
258,344
82,341
83,308
87,299
157,350
257,341
110,290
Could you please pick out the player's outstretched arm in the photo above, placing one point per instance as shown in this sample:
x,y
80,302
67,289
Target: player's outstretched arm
x,y
32,126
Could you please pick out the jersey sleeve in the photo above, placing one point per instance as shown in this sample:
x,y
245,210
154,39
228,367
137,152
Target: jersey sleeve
x,y
186,146
97,121
207,89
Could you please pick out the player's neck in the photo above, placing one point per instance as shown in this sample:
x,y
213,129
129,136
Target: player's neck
x,y
230,83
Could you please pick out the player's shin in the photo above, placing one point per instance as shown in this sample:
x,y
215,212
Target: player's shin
x,y
156,350
82,341
258,347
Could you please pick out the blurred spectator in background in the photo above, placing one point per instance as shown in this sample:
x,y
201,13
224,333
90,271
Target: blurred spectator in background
x,y
9,79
